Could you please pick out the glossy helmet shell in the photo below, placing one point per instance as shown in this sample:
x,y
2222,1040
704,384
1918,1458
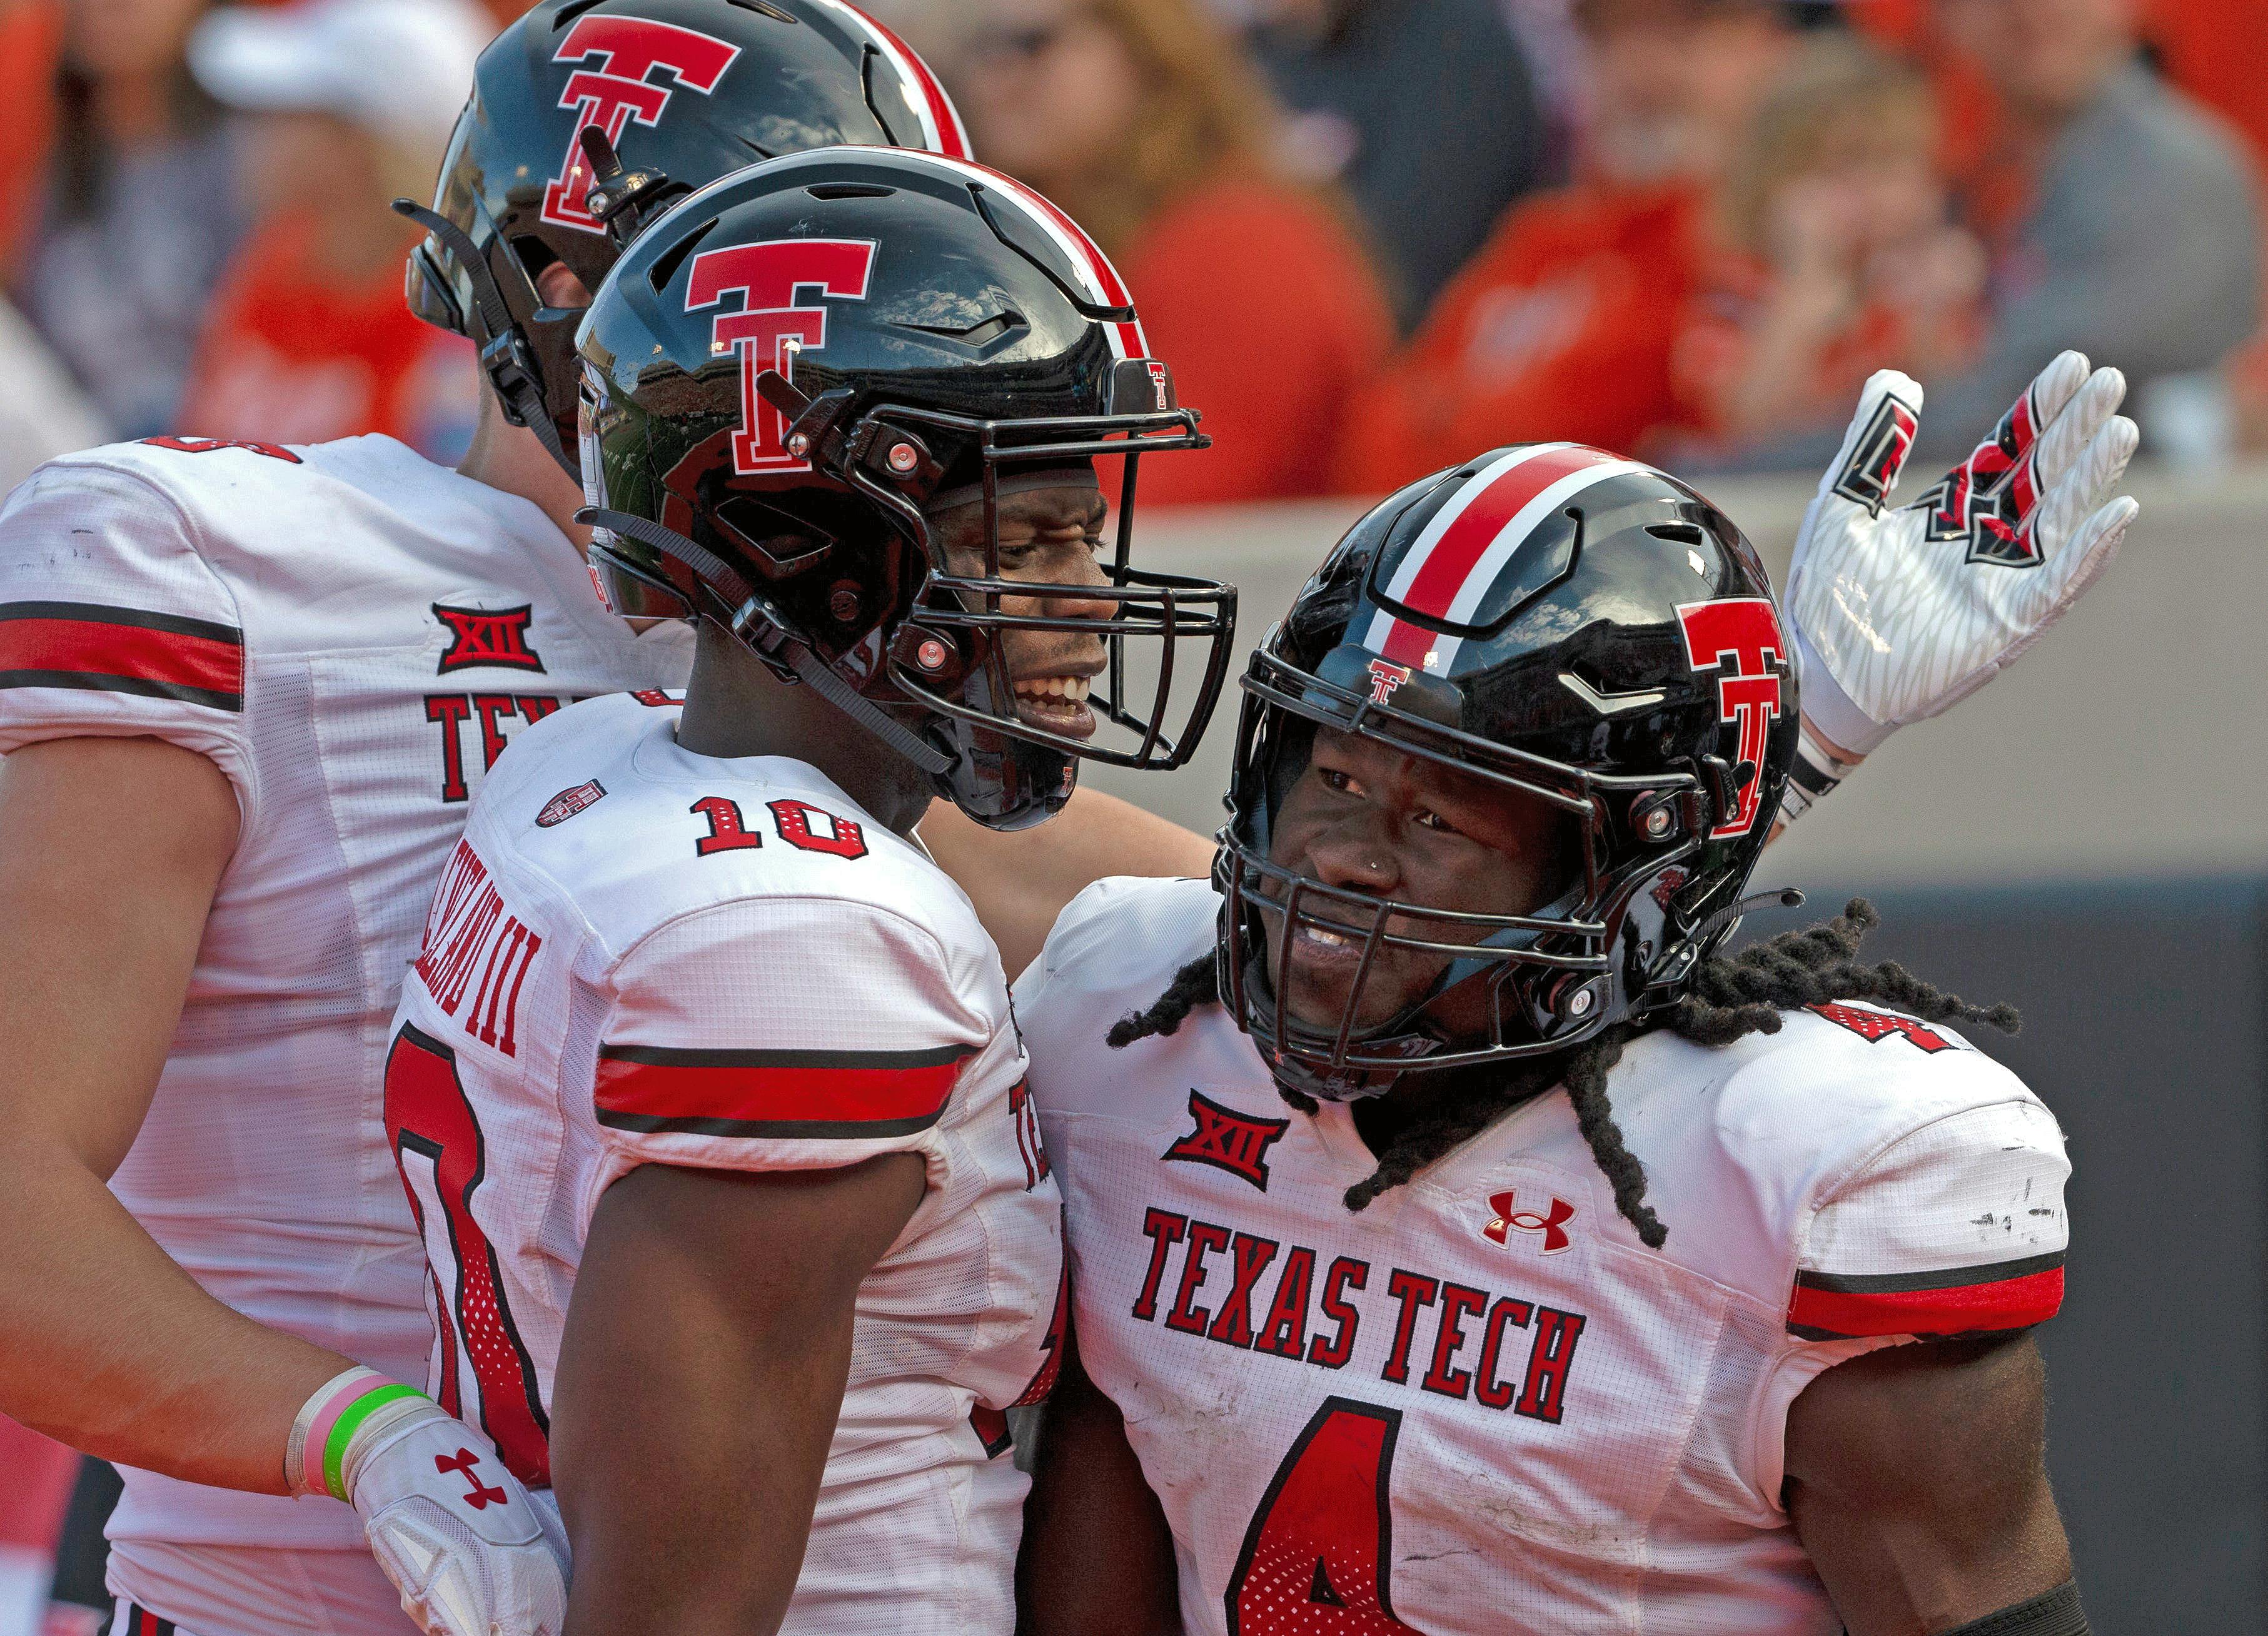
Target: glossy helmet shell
x,y
949,330
694,89
1582,629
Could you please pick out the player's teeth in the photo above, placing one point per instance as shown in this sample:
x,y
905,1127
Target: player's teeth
x,y
1071,689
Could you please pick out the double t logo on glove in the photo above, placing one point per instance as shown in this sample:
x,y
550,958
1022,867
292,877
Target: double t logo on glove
x,y
1900,614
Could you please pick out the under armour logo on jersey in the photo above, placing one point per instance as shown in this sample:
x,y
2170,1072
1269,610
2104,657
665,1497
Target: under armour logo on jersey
x,y
1228,1140
1875,1027
480,638
615,85
567,803
1551,1223
1386,678
771,329
1740,638
481,1496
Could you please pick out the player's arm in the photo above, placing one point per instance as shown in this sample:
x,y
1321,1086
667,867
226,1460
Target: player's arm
x,y
1097,1557
702,1367
1899,614
767,1145
1020,882
1916,1480
115,849
125,789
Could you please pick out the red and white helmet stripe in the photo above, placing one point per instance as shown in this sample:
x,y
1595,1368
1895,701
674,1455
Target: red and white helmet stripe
x,y
1103,285
1472,539
942,131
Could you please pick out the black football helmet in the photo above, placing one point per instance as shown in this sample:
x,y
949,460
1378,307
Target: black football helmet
x,y
686,92
1579,629
789,369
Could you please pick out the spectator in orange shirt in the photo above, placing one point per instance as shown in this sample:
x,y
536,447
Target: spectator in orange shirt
x,y
1139,118
1839,253
1565,324
351,102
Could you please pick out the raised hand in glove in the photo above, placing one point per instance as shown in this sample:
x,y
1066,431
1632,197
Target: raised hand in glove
x,y
1900,614
471,1553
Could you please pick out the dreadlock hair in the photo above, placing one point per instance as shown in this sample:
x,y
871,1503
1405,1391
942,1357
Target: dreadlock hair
x,y
1727,999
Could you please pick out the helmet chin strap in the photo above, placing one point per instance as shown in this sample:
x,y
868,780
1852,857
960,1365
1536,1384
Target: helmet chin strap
x,y
505,358
757,624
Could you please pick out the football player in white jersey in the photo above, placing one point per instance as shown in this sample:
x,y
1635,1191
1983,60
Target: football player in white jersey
x,y
706,1068
245,695
1463,1243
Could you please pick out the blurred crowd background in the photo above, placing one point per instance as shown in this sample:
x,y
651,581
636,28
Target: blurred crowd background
x,y
1372,237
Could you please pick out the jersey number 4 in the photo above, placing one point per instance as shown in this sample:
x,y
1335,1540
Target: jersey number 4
x,y
1318,1556
442,1158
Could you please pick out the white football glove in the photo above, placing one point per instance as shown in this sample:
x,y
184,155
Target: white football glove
x,y
1900,614
470,1552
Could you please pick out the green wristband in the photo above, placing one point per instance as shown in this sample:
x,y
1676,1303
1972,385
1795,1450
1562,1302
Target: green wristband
x,y
350,1420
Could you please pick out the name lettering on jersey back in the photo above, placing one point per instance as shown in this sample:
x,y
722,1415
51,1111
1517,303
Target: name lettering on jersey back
x,y
468,933
1459,1338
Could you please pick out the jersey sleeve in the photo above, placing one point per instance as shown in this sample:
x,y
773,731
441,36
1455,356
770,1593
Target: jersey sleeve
x,y
1954,1229
113,623
783,1034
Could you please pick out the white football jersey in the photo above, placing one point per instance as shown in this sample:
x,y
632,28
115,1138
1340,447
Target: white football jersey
x,y
640,955
353,634
1482,1404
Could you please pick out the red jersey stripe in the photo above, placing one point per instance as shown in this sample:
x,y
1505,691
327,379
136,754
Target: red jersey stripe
x,y
1999,1304
772,1096
72,644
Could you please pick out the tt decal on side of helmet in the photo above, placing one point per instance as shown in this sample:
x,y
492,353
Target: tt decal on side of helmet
x,y
1740,638
1471,541
1385,679
674,95
615,85
770,328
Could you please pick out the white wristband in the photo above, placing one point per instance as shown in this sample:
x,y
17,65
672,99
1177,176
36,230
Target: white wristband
x,y
1812,776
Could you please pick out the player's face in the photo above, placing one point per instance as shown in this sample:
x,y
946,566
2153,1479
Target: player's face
x,y
1366,818
1048,536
